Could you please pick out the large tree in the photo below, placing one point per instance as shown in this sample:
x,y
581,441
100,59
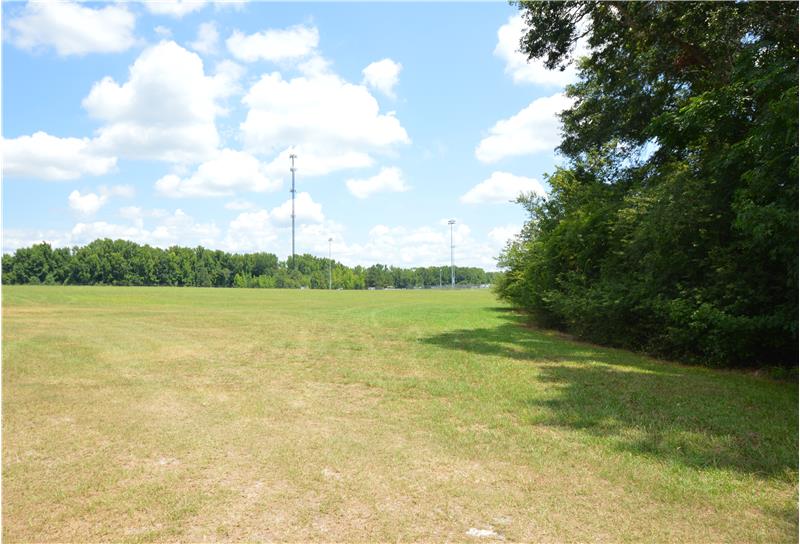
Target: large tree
x,y
674,227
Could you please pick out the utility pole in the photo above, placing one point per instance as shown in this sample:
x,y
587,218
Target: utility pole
x,y
452,262
330,263
293,157
440,277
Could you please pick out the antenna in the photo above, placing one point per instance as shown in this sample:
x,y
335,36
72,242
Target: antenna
x,y
293,157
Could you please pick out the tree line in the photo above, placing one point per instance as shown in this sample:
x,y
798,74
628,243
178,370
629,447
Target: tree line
x,y
673,227
121,262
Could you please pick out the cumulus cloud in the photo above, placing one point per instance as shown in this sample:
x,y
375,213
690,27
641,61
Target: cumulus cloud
x,y
534,129
338,124
387,180
517,65
251,231
173,8
86,204
165,111
275,45
90,203
427,245
14,239
502,187
305,210
226,173
262,230
165,229
207,39
72,28
314,160
169,229
383,75
502,234
46,157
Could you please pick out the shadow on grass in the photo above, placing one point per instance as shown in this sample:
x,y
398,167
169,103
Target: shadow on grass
x,y
688,415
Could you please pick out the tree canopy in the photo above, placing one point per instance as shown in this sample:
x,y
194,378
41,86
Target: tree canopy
x,y
120,262
673,228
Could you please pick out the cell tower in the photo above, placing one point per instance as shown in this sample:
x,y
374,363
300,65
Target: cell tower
x,y
293,157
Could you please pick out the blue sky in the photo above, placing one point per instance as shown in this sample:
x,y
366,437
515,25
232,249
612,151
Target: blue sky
x,y
171,123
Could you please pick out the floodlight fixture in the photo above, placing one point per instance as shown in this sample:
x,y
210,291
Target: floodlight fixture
x,y
330,263
452,261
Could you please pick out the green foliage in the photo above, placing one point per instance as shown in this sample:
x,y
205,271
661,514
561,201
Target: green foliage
x,y
674,228
120,262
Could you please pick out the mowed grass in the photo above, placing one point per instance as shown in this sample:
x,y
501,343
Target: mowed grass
x,y
160,414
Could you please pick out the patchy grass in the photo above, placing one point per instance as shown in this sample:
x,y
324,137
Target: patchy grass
x,y
141,414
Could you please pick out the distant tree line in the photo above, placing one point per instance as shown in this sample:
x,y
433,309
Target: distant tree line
x,y
121,262
672,227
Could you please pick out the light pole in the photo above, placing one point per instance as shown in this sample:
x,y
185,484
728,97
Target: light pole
x,y
293,157
452,262
330,264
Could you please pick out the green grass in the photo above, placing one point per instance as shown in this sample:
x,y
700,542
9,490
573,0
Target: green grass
x,y
141,414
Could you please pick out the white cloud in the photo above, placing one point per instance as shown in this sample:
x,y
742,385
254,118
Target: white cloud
x,y
337,125
173,8
91,203
315,65
47,157
502,234
387,180
167,229
383,75
14,239
502,187
305,210
313,160
170,229
419,246
227,172
165,111
251,231
207,39
275,45
517,65
534,129
260,230
86,204
134,214
227,75
72,28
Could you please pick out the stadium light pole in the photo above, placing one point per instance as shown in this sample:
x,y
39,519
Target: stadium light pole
x,y
330,263
452,262
293,157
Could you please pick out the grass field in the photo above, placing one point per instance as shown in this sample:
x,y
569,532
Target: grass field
x,y
142,414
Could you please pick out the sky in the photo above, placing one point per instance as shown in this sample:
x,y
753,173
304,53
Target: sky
x,y
171,123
